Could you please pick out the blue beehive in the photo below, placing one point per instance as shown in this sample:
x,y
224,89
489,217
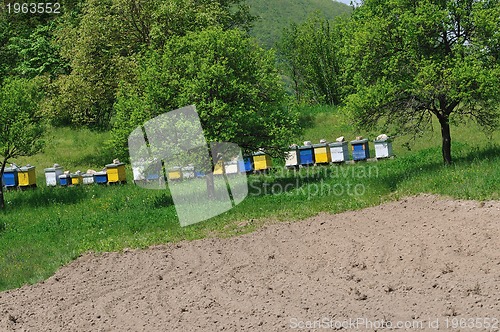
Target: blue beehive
x,y
360,150
306,155
101,178
9,178
245,165
65,180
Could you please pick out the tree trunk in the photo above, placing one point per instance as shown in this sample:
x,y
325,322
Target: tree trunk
x,y
446,136
2,201
210,185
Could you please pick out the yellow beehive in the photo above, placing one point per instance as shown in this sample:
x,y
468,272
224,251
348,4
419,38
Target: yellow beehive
x,y
262,161
175,174
322,154
219,168
76,179
116,173
26,176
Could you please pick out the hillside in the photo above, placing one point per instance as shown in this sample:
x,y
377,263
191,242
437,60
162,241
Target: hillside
x,y
276,15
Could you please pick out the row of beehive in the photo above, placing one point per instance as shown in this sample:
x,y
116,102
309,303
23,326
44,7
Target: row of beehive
x,y
337,152
323,153
25,177
19,177
113,173
258,162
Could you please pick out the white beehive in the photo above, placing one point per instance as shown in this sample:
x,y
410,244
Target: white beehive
x,y
231,167
339,152
292,159
383,149
52,175
188,172
88,178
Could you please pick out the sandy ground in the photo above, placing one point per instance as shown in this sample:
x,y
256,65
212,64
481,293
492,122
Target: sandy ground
x,y
425,261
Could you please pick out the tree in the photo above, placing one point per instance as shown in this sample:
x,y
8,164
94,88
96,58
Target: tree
x,y
310,54
36,54
410,60
21,126
102,44
26,45
231,80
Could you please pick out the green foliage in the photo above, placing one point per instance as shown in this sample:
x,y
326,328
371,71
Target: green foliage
x,y
231,80
95,47
37,54
310,55
274,16
409,60
27,45
102,45
21,127
177,17
5,54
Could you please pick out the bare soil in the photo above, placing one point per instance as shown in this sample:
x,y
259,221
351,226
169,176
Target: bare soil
x,y
423,260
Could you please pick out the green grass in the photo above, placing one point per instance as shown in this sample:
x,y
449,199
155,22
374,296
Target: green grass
x,y
73,149
45,228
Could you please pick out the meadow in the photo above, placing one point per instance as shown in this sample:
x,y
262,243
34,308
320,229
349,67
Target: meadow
x,y
43,229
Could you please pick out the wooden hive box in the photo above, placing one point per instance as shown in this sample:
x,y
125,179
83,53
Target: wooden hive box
x,y
245,165
26,176
292,159
262,161
339,152
116,173
360,150
383,149
76,179
306,155
10,179
101,178
175,174
322,154
52,175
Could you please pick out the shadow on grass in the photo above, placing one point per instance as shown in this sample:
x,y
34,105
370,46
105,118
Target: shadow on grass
x,y
45,196
96,160
307,121
489,153
163,200
284,181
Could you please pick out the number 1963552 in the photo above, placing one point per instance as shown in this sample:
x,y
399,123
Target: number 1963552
x,y
34,8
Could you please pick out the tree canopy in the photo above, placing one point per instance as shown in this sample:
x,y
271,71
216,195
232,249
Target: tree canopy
x,y
309,53
21,124
409,60
101,45
231,80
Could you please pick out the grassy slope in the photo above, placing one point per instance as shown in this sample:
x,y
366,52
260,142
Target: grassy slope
x,y
276,15
48,227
